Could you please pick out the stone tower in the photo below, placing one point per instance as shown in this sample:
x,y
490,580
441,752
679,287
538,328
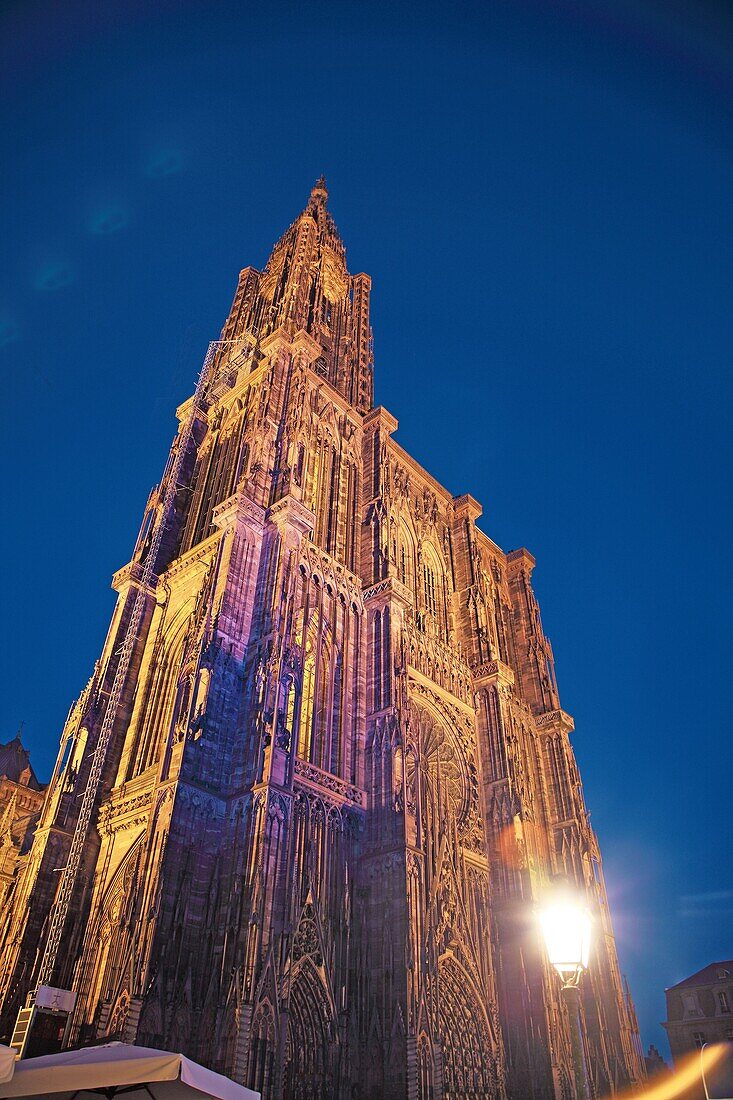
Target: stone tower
x,y
339,776
21,798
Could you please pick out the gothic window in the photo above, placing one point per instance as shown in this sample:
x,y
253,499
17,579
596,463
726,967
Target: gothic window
x,y
65,754
73,756
322,701
164,687
406,557
319,708
331,505
433,587
299,464
306,707
324,493
110,956
146,529
338,687
200,700
322,500
315,477
559,778
213,480
429,588
424,1069
182,709
118,1019
262,1052
497,746
290,707
386,660
352,526
435,776
377,650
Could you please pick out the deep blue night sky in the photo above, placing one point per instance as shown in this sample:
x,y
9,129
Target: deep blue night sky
x,y
541,193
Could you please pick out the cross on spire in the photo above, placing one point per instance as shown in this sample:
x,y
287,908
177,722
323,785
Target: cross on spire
x,y
320,191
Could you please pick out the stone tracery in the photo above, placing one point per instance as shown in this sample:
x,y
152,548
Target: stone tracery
x,y
341,725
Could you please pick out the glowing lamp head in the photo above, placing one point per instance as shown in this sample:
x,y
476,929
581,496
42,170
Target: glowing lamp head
x,y
566,926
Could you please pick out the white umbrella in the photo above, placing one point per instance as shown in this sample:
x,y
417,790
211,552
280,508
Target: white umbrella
x,y
78,1074
7,1063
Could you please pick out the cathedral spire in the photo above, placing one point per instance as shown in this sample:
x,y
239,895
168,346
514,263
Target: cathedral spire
x,y
317,209
306,286
319,192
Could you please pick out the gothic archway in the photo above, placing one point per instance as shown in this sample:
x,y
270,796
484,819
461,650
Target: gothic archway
x,y
469,1066
262,1051
118,1018
311,1042
425,1061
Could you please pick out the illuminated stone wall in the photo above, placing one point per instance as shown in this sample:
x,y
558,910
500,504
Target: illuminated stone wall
x,y
341,776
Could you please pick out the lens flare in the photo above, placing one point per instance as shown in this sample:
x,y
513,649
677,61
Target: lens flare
x,y
695,1072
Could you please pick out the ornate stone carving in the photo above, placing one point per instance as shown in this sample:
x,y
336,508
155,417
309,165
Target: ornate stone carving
x,y
325,781
340,725
559,719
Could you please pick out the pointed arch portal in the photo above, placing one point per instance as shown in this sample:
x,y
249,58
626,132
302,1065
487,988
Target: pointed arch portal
x,y
311,1042
465,1036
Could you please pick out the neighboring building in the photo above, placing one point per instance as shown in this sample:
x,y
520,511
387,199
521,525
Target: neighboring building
x,y
340,776
700,1009
21,798
654,1062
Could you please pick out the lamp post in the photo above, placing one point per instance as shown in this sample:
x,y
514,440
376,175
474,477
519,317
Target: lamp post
x,y
566,927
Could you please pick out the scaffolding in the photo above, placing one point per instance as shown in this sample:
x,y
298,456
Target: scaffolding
x,y
212,376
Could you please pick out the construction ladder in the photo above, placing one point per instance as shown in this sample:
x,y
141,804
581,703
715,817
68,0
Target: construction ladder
x,y
60,907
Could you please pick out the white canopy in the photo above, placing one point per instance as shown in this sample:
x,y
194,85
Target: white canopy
x,y
160,1075
7,1063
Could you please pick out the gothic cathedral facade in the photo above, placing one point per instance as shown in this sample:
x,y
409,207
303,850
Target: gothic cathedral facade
x,y
339,777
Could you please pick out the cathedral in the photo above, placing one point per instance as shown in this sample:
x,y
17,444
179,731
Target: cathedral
x,y
308,802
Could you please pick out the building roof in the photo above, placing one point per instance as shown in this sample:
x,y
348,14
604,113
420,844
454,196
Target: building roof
x,y
707,976
15,764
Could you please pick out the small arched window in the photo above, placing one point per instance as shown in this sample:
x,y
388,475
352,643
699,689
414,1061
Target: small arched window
x,y
305,732
430,599
290,707
406,556
315,477
433,580
315,698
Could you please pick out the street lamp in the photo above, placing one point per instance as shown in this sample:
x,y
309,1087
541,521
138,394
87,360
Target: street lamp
x,y
566,926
